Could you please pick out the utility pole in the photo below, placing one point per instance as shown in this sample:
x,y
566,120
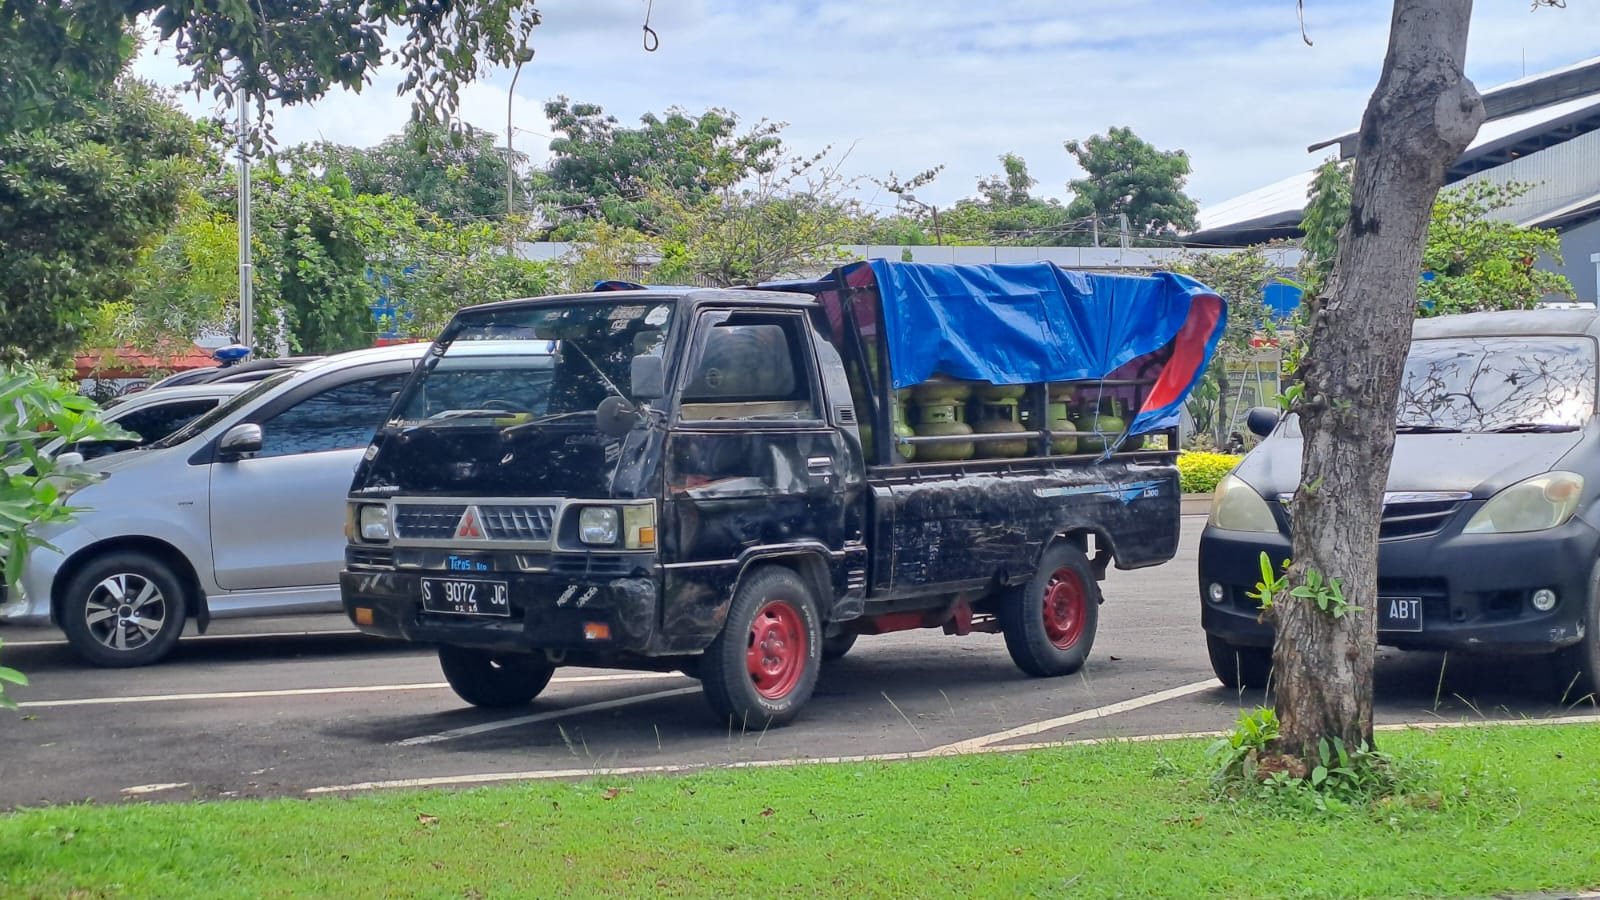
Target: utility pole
x,y
246,270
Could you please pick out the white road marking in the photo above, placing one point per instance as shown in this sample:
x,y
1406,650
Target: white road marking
x,y
986,740
153,788
541,717
57,642
666,769
306,692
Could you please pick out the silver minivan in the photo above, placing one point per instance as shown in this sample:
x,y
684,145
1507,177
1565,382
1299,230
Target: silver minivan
x,y
238,513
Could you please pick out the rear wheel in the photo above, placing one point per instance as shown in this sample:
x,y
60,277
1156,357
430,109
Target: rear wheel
x,y
1049,622
1239,667
494,680
123,609
763,667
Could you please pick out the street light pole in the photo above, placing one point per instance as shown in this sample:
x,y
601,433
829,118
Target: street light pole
x,y
938,235
246,269
523,54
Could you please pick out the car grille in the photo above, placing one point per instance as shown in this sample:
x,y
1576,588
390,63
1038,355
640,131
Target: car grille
x,y
1404,520
517,523
499,522
1405,515
432,523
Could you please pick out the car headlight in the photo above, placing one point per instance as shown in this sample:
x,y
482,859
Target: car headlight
x,y
1535,504
372,522
597,525
1236,506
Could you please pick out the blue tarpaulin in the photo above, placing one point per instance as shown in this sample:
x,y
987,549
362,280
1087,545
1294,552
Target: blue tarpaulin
x,y
1035,322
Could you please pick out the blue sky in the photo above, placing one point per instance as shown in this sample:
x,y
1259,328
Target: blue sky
x,y
907,84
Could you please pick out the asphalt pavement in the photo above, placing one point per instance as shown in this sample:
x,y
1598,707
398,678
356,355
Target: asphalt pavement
x,y
305,706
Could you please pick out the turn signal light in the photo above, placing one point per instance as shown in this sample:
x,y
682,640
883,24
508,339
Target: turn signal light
x,y
363,616
596,631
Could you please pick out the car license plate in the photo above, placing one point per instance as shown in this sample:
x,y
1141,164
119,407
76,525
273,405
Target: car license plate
x,y
1399,613
461,597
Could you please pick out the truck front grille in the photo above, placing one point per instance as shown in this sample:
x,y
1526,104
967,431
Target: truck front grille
x,y
496,521
517,523
427,522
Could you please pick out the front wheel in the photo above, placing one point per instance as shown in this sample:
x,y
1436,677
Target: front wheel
x,y
123,609
494,680
762,668
1049,622
1575,670
1239,667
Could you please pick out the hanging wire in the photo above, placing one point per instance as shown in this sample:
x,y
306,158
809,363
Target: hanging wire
x,y
652,41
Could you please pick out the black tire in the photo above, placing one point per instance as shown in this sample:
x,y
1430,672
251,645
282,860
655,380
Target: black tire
x,y
1575,670
762,668
1239,667
1049,622
494,680
123,609
837,646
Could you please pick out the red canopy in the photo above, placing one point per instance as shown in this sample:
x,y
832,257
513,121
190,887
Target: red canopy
x,y
127,362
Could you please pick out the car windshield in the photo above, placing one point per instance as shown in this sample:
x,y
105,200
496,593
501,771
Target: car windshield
x,y
1498,384
220,412
533,364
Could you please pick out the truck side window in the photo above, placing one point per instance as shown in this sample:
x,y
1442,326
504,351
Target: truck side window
x,y
750,371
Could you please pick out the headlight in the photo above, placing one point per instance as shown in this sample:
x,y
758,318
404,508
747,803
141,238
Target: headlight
x,y
597,525
1237,507
372,522
1536,504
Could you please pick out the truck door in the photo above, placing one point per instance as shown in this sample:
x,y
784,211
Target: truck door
x,y
752,460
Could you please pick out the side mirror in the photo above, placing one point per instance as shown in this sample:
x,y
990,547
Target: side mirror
x,y
240,439
616,416
1261,420
647,378
68,460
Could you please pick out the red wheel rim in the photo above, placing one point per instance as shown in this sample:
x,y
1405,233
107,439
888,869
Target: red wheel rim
x,y
777,652
1065,608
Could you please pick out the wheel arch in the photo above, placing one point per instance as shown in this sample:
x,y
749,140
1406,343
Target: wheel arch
x,y
810,564
171,556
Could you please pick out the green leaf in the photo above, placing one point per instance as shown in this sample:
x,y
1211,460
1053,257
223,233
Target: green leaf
x,y
12,675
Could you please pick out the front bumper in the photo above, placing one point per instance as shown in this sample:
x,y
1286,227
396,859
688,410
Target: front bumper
x,y
1475,589
599,615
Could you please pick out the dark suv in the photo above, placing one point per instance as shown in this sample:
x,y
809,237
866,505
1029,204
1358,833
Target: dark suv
x,y
1489,538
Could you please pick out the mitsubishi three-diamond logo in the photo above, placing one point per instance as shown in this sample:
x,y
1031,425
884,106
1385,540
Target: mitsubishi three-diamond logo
x,y
468,526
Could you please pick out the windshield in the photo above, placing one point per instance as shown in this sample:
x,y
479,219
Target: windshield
x,y
525,365
222,411
1498,384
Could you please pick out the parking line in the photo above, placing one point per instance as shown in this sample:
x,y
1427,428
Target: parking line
x,y
309,692
971,744
498,724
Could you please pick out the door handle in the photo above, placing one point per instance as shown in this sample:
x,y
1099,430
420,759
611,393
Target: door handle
x,y
819,465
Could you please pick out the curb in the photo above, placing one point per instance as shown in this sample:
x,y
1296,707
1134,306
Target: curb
x,y
1196,504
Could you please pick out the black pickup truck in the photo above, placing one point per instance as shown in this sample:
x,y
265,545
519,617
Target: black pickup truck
x,y
726,482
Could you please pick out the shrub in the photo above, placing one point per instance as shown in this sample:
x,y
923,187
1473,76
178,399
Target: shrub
x,y
1198,473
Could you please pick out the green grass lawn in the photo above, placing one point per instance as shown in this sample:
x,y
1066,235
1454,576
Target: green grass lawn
x,y
1504,810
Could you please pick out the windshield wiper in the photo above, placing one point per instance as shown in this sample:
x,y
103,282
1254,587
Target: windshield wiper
x,y
1425,429
547,419
1533,428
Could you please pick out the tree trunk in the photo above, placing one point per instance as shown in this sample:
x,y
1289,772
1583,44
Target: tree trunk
x,y
1421,117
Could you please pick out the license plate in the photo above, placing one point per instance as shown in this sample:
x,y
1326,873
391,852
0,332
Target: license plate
x,y
1399,613
466,598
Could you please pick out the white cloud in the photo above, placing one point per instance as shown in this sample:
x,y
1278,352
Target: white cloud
x,y
914,83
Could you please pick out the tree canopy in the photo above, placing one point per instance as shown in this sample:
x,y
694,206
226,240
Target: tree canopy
x,y
1127,176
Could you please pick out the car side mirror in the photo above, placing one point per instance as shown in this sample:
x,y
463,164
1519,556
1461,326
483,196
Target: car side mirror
x,y
647,378
68,460
240,439
1261,420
